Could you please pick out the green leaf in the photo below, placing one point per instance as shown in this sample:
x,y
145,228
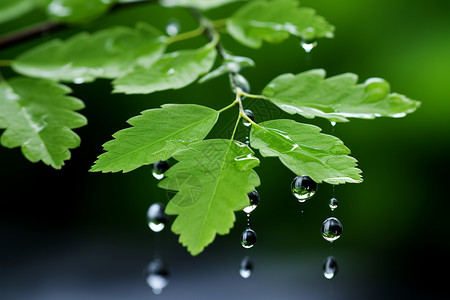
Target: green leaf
x,y
108,53
336,98
11,9
200,4
77,11
172,71
274,21
156,134
305,151
212,178
38,116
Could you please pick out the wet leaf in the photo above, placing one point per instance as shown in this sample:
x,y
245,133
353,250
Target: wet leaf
x,y
212,178
306,151
108,53
274,21
200,4
38,117
336,98
155,135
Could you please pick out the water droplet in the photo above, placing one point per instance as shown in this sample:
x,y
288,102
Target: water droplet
x,y
246,267
159,168
156,217
250,115
157,275
331,229
308,46
172,28
375,89
239,81
303,188
333,123
330,267
248,238
253,196
333,203
78,80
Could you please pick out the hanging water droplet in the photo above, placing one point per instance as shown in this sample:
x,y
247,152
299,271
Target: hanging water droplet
x,y
156,217
308,37
248,238
333,123
157,275
250,115
303,188
331,229
253,196
330,267
172,28
159,168
239,81
333,203
246,267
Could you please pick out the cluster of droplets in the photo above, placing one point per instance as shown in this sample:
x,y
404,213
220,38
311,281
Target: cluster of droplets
x,y
157,273
248,236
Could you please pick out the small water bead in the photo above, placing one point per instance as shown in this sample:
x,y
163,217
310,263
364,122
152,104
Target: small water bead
x,y
333,203
157,275
303,188
330,267
331,229
246,267
159,168
250,115
308,46
253,196
173,28
376,89
248,238
156,217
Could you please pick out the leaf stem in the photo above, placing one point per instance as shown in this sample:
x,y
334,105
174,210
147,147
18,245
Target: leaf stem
x,y
254,96
187,35
228,106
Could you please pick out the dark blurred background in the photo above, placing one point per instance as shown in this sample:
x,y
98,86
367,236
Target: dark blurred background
x,y
71,234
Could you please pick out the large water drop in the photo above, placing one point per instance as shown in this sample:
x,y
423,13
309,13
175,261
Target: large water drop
x,y
156,217
250,115
157,275
330,267
248,238
303,188
246,267
333,204
159,168
331,229
253,196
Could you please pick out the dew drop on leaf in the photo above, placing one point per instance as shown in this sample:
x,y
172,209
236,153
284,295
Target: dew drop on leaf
x,y
331,229
303,188
330,267
246,267
248,238
251,116
157,275
173,28
253,196
159,168
375,89
156,217
333,203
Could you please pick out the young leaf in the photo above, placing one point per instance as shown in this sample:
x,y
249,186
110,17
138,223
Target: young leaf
x,y
212,178
172,71
108,53
336,98
200,4
305,151
38,116
156,134
273,21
